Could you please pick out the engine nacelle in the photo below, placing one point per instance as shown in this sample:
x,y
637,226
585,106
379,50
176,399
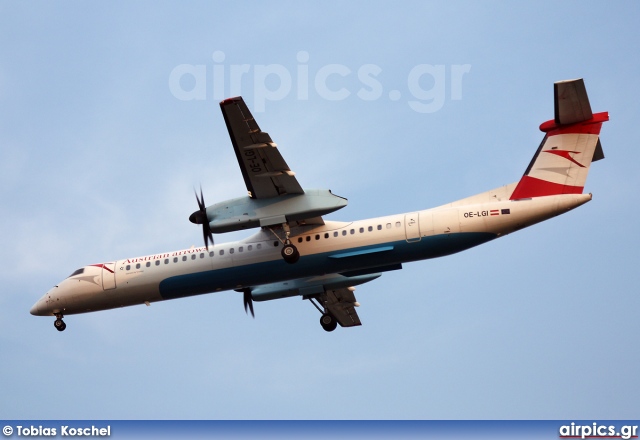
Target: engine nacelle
x,y
246,213
308,287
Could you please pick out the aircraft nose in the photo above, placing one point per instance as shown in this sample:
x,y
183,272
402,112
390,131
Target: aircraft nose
x,y
38,308
35,309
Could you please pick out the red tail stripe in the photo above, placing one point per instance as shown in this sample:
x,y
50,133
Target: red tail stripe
x,y
531,187
591,126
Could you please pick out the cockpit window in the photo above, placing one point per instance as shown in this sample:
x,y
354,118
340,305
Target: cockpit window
x,y
77,272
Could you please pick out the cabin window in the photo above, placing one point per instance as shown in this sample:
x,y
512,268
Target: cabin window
x,y
370,228
148,264
211,254
308,238
175,259
361,230
221,251
398,224
193,257
335,234
202,255
299,239
138,266
166,261
259,245
388,225
232,250
275,244
344,232
157,262
240,249
317,236
184,258
353,231
379,227
127,268
250,247
326,235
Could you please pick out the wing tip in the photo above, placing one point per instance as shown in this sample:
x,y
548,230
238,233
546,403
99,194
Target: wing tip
x,y
231,100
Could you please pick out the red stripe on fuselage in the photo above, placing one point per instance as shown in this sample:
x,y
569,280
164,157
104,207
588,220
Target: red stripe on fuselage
x,y
102,266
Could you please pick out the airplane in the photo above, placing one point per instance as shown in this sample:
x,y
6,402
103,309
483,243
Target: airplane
x,y
296,252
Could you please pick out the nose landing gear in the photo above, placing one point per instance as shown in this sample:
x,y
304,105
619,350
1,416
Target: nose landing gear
x,y
59,323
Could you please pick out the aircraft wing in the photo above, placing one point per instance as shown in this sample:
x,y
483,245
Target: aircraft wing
x,y
265,172
342,305
333,291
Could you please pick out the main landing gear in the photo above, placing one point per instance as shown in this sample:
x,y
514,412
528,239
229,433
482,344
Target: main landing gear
x,y
289,252
328,322
59,323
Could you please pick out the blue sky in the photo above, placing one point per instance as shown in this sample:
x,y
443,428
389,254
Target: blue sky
x,y
99,156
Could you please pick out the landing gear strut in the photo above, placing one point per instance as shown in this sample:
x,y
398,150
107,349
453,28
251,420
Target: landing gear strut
x,y
59,323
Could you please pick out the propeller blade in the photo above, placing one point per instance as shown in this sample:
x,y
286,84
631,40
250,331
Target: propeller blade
x,y
200,200
248,302
208,236
199,217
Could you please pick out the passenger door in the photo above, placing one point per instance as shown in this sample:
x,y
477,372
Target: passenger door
x,y
109,276
412,227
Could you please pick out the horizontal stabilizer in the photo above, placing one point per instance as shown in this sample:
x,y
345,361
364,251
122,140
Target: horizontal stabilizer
x,y
571,102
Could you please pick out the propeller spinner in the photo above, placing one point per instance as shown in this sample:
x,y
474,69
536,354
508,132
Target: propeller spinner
x,y
199,217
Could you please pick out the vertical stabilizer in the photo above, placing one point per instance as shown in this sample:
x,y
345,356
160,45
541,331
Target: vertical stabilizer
x,y
571,143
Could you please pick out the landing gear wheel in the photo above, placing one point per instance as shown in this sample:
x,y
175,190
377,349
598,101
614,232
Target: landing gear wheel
x,y
59,325
328,322
290,253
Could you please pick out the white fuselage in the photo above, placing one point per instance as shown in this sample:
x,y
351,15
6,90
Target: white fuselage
x,y
365,246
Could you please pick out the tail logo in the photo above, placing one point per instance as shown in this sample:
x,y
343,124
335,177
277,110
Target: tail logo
x,y
566,155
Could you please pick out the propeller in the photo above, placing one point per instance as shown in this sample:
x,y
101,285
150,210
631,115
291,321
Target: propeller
x,y
248,302
200,218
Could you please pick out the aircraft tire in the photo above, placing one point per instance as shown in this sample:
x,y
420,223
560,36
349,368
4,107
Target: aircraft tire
x,y
59,325
290,253
328,322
